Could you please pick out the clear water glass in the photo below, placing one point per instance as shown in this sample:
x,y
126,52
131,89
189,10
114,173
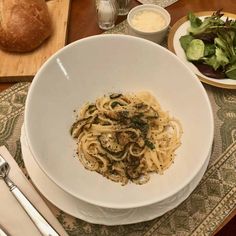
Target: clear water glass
x,y
123,7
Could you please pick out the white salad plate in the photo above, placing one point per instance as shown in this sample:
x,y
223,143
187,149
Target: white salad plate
x,y
95,214
180,29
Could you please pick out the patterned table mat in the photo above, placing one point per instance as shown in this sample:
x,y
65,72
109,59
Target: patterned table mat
x,y
162,3
200,214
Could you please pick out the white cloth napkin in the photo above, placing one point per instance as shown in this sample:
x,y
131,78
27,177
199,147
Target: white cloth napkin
x,y
13,218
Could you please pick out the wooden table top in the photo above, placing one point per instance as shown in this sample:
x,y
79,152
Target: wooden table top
x,y
82,19
82,23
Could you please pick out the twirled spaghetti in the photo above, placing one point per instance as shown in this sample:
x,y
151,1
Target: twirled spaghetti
x,y
126,137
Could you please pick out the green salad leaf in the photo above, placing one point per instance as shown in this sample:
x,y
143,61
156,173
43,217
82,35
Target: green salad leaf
x,y
210,49
231,72
208,25
194,20
217,60
185,41
211,41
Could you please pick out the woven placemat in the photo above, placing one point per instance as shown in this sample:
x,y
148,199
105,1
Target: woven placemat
x,y
162,3
203,211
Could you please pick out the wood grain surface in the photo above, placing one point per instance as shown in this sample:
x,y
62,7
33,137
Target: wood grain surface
x,y
16,67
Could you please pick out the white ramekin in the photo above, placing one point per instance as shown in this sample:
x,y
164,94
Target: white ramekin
x,y
155,36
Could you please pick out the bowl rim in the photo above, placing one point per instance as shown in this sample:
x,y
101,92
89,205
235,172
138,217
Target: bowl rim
x,y
103,204
154,7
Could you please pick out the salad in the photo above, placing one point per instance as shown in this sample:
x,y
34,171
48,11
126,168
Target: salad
x,y
211,45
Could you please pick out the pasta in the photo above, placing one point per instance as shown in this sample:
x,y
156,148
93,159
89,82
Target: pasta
x,y
126,137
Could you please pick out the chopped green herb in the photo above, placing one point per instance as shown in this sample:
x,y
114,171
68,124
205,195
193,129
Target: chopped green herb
x,y
141,106
115,95
124,114
116,103
149,144
138,123
91,106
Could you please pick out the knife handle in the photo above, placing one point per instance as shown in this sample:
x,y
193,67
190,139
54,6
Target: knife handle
x,y
40,222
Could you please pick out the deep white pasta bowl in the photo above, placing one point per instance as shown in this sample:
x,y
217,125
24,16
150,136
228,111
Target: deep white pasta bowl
x,y
98,65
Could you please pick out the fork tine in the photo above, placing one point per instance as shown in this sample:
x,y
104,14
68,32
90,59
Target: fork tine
x,y
4,167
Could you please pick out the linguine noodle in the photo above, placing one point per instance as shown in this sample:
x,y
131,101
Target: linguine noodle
x,y
126,137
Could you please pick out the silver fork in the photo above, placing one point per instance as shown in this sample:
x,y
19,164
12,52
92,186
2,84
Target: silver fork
x,y
40,222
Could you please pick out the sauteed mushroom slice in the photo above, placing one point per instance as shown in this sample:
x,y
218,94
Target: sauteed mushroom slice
x,y
78,126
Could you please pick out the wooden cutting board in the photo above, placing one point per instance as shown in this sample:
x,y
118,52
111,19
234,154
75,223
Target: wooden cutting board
x,y
16,67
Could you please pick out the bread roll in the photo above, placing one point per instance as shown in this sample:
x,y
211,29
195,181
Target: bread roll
x,y
24,24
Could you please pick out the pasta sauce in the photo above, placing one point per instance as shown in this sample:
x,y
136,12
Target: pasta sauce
x,y
126,137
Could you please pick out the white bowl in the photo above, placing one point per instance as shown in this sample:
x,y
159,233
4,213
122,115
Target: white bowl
x,y
156,36
91,67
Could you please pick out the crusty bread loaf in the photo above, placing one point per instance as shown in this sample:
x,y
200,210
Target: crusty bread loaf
x,y
24,24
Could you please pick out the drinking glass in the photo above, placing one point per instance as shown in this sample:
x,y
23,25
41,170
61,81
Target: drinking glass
x,y
123,7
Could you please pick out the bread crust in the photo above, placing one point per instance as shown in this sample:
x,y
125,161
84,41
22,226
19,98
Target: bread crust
x,y
24,24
